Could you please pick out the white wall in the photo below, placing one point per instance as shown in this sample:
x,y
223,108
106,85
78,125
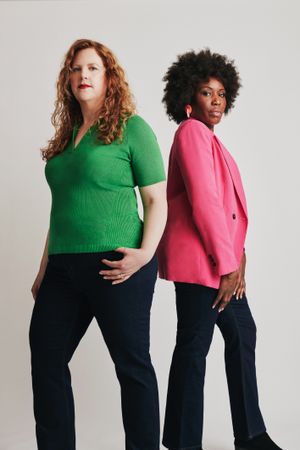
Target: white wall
x,y
261,133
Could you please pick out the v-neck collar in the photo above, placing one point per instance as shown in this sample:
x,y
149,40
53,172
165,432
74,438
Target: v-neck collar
x,y
75,132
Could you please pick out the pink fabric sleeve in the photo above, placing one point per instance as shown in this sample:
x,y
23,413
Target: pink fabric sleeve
x,y
195,159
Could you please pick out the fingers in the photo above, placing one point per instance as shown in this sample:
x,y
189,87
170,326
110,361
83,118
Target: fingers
x,y
121,269
121,280
238,283
122,250
225,300
241,290
117,275
222,299
218,299
115,264
114,274
239,293
118,278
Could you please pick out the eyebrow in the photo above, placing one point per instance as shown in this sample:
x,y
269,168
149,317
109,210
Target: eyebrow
x,y
89,64
206,86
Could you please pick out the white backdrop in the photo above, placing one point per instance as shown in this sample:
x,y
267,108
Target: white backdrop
x,y
261,133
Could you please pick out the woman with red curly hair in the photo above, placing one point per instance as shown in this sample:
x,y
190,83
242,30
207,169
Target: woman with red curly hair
x,y
99,258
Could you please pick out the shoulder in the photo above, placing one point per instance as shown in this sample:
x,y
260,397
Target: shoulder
x,y
193,136
194,127
136,124
140,135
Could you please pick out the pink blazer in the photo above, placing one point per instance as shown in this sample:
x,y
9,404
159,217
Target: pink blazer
x,y
207,213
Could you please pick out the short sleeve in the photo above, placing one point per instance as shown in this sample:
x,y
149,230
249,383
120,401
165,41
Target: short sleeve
x,y
146,158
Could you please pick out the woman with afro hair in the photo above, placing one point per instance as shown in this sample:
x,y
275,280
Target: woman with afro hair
x,y
202,252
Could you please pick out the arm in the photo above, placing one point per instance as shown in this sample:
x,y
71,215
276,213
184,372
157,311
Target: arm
x,y
240,289
149,175
195,159
43,264
155,216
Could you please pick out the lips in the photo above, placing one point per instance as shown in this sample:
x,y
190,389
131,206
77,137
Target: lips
x,y
83,86
216,113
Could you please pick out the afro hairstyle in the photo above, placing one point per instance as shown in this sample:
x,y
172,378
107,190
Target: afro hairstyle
x,y
190,70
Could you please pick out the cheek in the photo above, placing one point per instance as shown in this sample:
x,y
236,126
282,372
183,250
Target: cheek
x,y
73,83
204,105
224,103
101,84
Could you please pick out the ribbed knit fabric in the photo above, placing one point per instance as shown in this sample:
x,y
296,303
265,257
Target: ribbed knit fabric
x,y
94,205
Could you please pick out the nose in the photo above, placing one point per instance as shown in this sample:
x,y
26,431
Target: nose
x,y
216,99
84,74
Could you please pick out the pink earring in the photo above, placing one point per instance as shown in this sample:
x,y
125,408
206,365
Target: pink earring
x,y
188,110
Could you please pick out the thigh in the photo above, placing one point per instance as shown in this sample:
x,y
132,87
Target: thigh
x,y
196,318
123,310
60,317
236,322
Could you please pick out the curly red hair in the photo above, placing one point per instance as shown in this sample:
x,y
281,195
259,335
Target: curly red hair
x,y
117,107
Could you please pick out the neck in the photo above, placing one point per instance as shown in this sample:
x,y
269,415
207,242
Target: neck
x,y
211,127
90,112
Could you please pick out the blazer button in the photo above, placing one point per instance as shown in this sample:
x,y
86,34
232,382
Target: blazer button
x,y
233,216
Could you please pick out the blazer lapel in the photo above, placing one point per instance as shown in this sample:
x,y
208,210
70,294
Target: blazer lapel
x,y
235,174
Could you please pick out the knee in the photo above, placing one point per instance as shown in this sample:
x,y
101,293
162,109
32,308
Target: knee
x,y
133,366
241,337
193,342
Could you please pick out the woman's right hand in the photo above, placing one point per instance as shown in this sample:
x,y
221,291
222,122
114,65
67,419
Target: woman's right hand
x,y
37,282
226,290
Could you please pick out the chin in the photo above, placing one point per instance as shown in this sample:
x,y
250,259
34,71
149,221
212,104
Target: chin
x,y
216,121
84,98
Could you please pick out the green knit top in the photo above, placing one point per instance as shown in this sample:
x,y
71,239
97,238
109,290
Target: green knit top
x,y
94,205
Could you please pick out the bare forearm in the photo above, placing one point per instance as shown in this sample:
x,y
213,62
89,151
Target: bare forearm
x,y
155,216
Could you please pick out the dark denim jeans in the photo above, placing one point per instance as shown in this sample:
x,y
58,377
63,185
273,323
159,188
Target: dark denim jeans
x,y
196,320
71,294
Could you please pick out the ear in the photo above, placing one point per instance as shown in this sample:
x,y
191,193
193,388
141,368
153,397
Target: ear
x,y
188,110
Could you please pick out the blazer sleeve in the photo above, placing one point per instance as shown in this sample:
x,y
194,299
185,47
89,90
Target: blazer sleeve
x,y
195,158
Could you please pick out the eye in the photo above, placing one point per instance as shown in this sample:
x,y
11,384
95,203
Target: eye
x,y
206,93
222,94
94,68
74,69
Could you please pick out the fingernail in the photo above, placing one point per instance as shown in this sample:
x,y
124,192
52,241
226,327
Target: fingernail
x,y
237,297
221,309
105,278
213,307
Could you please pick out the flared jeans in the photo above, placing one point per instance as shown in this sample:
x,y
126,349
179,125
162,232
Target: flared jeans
x,y
196,321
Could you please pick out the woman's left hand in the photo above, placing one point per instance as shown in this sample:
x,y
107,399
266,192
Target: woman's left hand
x,y
133,260
240,289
